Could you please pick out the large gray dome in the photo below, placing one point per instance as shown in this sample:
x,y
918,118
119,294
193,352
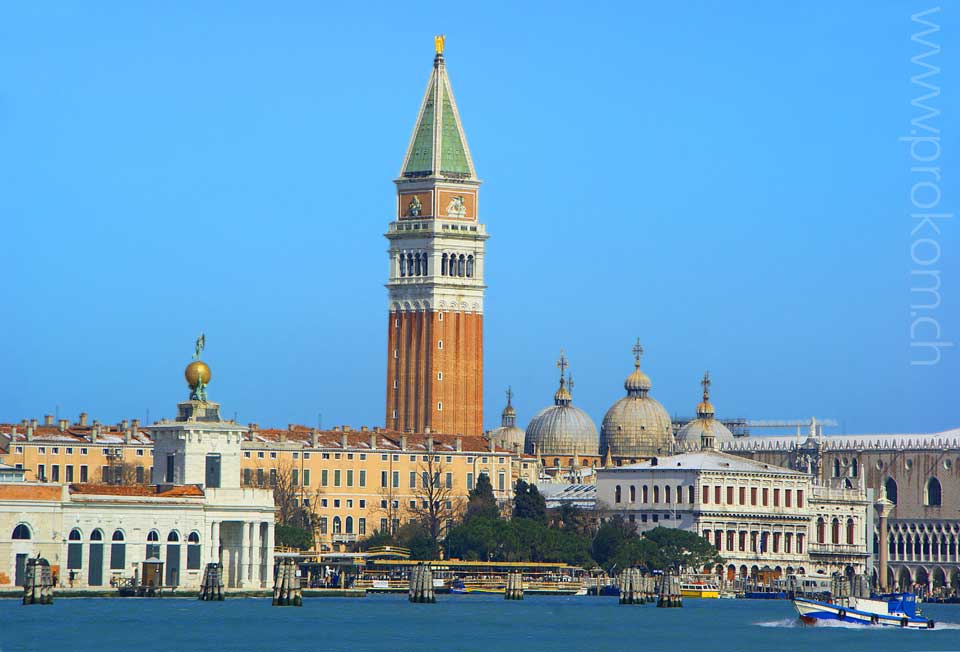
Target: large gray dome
x,y
637,425
561,429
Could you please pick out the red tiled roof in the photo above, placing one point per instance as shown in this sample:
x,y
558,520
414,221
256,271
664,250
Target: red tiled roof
x,y
385,439
29,492
157,491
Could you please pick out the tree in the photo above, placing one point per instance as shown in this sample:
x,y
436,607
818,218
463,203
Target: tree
x,y
679,549
297,506
481,502
434,497
293,537
529,503
610,538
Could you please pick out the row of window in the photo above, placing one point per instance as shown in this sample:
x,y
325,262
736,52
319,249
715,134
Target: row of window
x,y
653,496
756,542
416,264
932,492
757,495
392,479
835,531
68,450
108,474
343,525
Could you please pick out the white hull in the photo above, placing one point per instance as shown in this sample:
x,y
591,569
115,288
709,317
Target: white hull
x,y
812,611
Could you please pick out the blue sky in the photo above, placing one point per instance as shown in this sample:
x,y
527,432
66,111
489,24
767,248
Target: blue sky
x,y
723,180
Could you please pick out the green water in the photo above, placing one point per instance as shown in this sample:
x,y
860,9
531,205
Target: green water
x,y
455,623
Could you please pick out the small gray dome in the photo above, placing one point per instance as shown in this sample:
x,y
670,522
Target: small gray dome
x,y
689,436
507,437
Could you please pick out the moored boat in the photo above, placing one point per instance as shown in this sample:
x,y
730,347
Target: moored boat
x,y
699,590
896,610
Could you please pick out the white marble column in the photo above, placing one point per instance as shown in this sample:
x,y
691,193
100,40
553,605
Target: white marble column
x,y
215,541
256,542
268,551
243,556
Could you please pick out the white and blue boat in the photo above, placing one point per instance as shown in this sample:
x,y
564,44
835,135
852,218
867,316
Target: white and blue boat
x,y
893,610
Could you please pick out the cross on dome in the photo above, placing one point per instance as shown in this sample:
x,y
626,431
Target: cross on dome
x,y
562,364
706,385
637,352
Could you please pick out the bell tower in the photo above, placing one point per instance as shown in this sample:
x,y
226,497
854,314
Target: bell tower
x,y
435,325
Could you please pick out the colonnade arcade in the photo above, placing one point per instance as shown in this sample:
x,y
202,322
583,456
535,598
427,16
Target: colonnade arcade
x,y
243,549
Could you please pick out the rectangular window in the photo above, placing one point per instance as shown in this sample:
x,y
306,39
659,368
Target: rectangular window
x,y
729,495
788,498
139,452
449,481
273,477
383,525
212,471
20,449
501,482
383,478
413,504
83,473
716,494
259,455
470,482
799,504
105,474
324,477
743,541
363,504
766,496
413,479
56,450
336,477
260,477
294,477
361,526
396,479
753,495
306,456
363,478
743,495
247,476
246,454
706,495
54,473
383,458
69,472
690,494
171,465
140,475
273,455
799,536
42,472
306,477
336,502
776,498
349,477
83,451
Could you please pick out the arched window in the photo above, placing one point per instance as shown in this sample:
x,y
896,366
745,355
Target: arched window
x,y
656,494
616,494
193,551
173,536
461,264
854,467
443,265
349,525
679,494
891,487
836,467
835,531
21,532
646,494
934,495
153,545
337,525
74,550
470,266
633,493
118,551
666,494
821,531
96,535
419,264
850,531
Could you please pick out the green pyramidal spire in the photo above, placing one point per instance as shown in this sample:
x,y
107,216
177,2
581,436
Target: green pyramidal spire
x,y
438,147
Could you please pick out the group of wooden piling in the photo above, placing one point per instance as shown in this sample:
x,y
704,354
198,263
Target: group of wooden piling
x,y
211,587
514,590
421,584
286,586
38,582
635,588
669,594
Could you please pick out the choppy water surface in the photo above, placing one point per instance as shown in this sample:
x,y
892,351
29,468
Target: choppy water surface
x,y
455,623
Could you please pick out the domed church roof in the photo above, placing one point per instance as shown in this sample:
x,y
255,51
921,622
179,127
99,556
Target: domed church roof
x,y
637,425
508,435
562,429
704,431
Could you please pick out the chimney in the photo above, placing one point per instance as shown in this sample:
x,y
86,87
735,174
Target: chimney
x,y
124,424
33,422
346,428
127,435
373,441
403,442
135,424
252,429
62,424
24,423
315,438
430,443
48,419
343,438
363,429
95,432
492,445
458,442
83,419
336,428
30,433
282,437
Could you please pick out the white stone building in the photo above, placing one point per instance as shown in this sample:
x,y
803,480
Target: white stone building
x,y
765,521
197,512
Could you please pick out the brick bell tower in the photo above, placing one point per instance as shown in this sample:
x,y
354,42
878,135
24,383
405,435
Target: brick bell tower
x,y
435,326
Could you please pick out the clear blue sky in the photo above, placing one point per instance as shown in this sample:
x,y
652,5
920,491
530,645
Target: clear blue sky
x,y
724,181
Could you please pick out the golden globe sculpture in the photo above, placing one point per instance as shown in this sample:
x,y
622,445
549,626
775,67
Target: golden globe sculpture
x,y
197,373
